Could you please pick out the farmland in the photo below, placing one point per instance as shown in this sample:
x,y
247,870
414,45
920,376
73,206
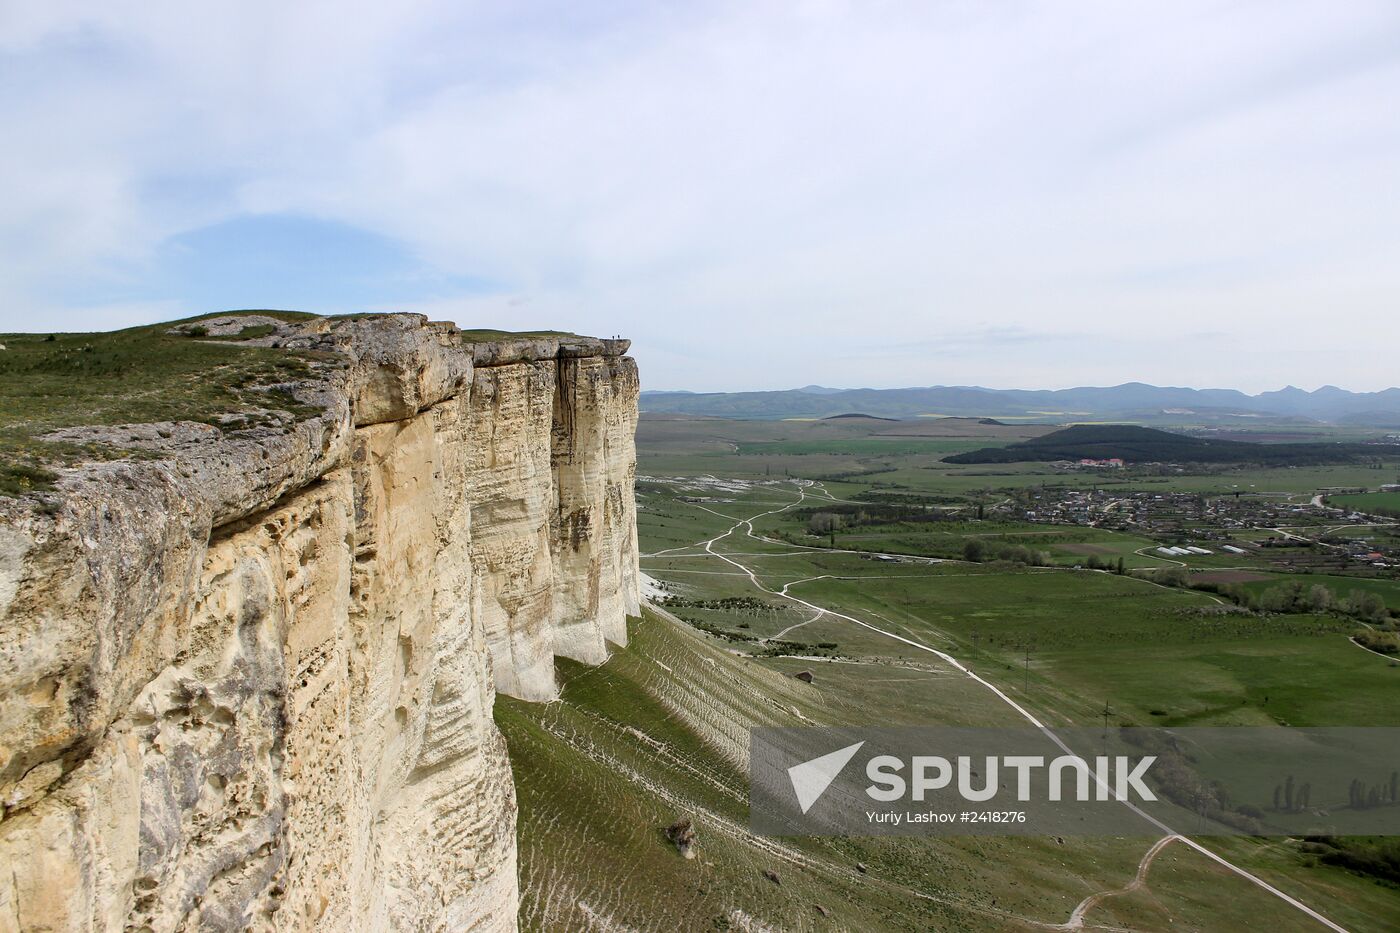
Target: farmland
x,y
1376,503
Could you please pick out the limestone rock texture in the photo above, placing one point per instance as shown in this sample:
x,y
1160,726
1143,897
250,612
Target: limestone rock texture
x,y
246,680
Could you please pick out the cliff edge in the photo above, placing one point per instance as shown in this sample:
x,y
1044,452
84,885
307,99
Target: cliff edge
x,y
248,657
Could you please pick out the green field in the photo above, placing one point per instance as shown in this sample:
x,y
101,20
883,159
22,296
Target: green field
x,y
1374,503
1389,590
860,447
1144,649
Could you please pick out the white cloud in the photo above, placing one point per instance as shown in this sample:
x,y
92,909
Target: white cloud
x,y
752,190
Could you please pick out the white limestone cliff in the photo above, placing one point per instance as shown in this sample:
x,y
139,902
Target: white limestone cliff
x,y
246,683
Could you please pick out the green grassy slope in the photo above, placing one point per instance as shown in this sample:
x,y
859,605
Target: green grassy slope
x,y
137,375
656,735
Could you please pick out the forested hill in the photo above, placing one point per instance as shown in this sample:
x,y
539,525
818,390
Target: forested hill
x,y
1136,444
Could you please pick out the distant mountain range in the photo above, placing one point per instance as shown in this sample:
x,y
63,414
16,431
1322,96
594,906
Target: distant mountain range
x,y
1133,401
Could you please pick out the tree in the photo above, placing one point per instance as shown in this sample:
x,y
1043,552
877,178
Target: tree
x,y
973,550
1370,607
1283,598
1319,598
1172,576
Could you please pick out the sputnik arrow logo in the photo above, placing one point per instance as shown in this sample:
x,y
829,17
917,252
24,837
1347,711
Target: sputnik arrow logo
x,y
811,778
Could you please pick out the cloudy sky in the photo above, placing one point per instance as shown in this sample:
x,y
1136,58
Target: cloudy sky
x,y
761,195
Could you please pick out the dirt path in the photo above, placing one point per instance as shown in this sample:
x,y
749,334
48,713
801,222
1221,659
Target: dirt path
x,y
1076,919
1336,528
1379,654
817,615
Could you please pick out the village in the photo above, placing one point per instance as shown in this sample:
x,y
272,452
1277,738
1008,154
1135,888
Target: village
x,y
1273,528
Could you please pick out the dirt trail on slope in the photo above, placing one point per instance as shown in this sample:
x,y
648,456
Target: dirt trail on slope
x,y
1076,919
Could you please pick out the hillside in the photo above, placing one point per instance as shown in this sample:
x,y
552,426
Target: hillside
x,y
1133,443
659,733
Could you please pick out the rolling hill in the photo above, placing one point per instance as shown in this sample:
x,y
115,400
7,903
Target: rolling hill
x,y
1137,444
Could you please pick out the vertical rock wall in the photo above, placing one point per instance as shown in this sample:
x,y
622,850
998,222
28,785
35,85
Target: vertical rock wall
x,y
511,494
247,683
593,524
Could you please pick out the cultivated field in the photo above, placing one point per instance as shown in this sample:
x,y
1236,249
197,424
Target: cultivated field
x,y
1377,503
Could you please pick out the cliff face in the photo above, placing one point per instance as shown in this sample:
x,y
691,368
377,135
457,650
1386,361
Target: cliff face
x,y
247,680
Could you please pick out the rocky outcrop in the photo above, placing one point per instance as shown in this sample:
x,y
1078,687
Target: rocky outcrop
x,y
246,680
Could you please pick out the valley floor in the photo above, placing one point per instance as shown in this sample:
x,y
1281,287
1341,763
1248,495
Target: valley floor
x,y
659,733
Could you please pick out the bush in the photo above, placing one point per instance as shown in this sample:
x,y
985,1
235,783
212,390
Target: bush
x,y
978,551
1376,857
1383,642
1171,576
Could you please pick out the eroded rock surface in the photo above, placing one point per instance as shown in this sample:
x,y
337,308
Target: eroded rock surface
x,y
247,682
